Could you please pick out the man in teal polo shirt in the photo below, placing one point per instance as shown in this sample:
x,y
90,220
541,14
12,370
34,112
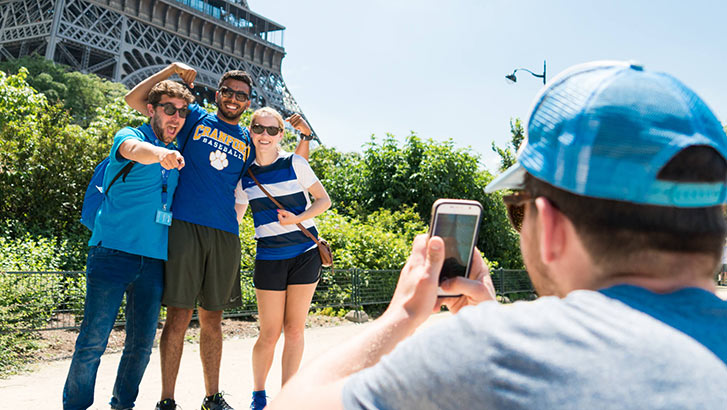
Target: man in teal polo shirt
x,y
128,249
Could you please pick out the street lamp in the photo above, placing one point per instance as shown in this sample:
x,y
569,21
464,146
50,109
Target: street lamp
x,y
513,79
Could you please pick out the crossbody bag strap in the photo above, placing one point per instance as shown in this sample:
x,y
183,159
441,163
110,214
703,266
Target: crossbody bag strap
x,y
279,205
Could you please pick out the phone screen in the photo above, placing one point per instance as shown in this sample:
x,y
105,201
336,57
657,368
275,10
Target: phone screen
x,y
458,233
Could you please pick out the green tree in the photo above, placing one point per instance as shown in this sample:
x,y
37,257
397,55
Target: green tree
x,y
412,176
341,174
81,94
46,161
508,154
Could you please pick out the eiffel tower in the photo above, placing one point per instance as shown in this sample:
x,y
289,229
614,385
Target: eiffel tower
x,y
128,40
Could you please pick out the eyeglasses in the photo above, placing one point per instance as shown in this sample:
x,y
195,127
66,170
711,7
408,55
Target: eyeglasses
x,y
170,109
228,92
272,131
515,204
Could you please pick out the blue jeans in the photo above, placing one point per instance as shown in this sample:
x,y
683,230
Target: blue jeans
x,y
110,274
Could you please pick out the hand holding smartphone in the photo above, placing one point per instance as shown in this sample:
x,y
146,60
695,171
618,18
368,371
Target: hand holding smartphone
x,y
457,222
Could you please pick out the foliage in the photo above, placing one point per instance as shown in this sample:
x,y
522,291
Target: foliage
x,y
111,118
29,253
413,176
404,222
341,175
508,154
330,311
247,242
80,94
25,301
355,244
46,162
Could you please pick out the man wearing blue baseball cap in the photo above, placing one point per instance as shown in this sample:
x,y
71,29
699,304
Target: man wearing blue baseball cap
x,y
618,195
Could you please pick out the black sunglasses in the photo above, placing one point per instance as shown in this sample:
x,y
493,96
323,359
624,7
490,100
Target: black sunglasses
x,y
515,204
170,109
272,131
228,92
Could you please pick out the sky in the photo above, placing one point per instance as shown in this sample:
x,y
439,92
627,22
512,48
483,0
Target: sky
x,y
437,68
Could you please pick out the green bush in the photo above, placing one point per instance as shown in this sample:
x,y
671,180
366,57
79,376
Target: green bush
x,y
26,301
409,177
80,94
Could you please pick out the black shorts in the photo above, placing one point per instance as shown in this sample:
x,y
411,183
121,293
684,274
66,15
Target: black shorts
x,y
277,275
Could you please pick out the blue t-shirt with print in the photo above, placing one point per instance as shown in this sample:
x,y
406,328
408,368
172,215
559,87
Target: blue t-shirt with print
x,y
126,220
216,154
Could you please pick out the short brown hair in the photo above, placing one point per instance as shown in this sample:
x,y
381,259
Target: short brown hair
x,y
238,75
169,88
615,229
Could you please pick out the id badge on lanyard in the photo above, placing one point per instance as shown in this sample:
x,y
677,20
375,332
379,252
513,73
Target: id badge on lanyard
x,y
164,215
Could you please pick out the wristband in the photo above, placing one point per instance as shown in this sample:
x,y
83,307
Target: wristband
x,y
305,137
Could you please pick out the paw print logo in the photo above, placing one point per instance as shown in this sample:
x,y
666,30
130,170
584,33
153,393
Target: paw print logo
x,y
218,160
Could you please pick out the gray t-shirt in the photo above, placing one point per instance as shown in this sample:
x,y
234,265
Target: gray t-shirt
x,y
586,351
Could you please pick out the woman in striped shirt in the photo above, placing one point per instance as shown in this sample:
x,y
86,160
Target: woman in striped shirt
x,y
287,263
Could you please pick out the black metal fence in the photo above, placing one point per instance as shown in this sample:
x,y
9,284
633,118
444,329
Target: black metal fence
x,y
54,300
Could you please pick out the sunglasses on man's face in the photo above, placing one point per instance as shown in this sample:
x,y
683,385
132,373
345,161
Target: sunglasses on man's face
x,y
228,92
515,204
170,109
259,129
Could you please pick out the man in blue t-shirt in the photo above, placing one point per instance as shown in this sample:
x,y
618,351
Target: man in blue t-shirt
x,y
618,196
203,269
128,249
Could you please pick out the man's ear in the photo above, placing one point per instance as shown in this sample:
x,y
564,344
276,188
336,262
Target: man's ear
x,y
552,230
150,110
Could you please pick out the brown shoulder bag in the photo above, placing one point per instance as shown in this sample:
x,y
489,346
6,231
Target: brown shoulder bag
x,y
323,247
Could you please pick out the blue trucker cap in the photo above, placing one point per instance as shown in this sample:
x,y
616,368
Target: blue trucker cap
x,y
605,130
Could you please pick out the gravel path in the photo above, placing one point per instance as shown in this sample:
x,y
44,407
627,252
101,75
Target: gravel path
x,y
42,386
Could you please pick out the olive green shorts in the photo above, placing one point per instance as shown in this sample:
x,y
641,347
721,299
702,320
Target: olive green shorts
x,y
203,267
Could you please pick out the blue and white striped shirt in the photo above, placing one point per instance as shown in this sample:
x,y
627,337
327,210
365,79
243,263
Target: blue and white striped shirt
x,y
287,179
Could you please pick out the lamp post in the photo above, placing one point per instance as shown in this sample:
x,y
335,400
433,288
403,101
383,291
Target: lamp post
x,y
513,79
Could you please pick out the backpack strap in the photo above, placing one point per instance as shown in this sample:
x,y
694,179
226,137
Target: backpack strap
x,y
122,173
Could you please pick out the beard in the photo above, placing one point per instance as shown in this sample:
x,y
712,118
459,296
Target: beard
x,y
227,114
158,129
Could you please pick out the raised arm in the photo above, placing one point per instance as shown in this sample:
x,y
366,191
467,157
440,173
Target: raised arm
x,y
146,153
299,123
137,97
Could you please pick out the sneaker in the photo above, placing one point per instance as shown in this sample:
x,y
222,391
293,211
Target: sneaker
x,y
215,402
259,400
166,404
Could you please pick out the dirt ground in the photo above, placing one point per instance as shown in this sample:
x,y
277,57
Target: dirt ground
x,y
58,344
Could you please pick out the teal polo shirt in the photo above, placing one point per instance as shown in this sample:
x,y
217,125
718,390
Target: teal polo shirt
x,y
126,220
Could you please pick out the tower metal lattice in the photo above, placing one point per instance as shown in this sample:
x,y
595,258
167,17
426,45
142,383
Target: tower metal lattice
x,y
128,40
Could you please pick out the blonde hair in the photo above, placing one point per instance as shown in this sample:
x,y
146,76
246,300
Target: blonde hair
x,y
265,112
261,112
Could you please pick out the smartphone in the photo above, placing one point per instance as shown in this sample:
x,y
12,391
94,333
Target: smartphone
x,y
457,222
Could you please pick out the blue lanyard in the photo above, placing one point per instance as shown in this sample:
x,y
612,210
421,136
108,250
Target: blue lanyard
x,y
165,178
